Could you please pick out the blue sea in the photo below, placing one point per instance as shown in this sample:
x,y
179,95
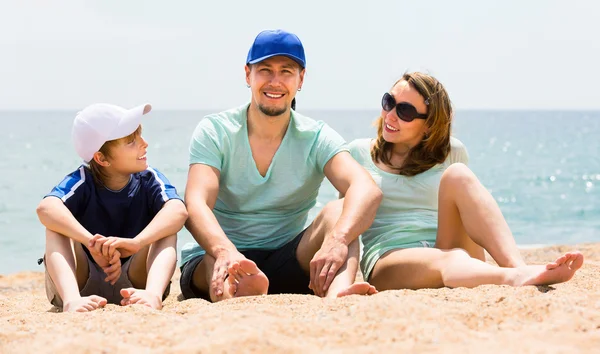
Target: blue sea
x,y
542,167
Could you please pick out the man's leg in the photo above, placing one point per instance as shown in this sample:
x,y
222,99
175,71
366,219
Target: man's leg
x,y
150,273
312,240
67,265
243,279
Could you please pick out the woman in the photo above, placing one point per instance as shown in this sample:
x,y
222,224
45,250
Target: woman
x,y
436,219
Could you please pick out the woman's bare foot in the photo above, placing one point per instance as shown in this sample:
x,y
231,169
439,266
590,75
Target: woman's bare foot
x,y
558,271
84,304
141,297
246,279
362,288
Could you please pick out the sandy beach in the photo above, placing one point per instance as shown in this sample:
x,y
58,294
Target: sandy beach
x,y
555,319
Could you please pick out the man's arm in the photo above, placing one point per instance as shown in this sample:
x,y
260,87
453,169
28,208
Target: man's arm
x,y
361,200
361,197
201,194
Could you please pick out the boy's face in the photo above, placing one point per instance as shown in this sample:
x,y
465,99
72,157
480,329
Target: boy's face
x,y
128,155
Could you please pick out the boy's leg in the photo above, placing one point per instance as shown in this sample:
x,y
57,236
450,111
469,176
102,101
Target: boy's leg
x,y
312,240
150,272
67,266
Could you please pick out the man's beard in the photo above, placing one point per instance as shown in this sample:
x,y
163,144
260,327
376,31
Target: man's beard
x,y
272,111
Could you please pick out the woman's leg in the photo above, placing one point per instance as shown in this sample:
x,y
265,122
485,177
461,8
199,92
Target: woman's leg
x,y
469,218
417,268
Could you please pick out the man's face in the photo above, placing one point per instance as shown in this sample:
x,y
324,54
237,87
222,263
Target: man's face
x,y
274,83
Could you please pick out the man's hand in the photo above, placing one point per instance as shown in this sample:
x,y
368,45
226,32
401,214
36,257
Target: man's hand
x,y
326,263
222,262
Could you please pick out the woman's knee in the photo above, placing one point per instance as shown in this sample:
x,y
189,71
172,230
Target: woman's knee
x,y
453,255
458,174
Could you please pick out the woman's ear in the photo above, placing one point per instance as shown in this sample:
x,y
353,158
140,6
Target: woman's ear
x,y
101,159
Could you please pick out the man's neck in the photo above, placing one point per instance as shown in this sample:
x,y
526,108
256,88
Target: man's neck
x,y
266,127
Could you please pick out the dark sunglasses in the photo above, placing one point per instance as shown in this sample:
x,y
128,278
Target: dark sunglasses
x,y
405,111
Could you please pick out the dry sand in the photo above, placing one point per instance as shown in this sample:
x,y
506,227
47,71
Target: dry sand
x,y
564,318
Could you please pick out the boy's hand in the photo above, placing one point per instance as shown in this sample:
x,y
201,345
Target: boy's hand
x,y
110,265
96,253
109,245
113,271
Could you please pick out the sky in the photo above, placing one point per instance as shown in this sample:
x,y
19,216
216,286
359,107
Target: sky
x,y
189,55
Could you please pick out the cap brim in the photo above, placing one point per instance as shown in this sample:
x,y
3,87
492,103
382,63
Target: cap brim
x,y
294,58
130,122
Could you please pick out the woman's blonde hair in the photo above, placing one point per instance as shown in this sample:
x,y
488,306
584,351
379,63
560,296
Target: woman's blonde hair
x,y
98,171
435,146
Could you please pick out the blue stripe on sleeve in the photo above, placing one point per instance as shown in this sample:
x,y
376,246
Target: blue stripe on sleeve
x,y
66,189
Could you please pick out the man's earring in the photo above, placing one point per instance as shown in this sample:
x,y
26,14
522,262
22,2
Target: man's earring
x,y
248,86
299,88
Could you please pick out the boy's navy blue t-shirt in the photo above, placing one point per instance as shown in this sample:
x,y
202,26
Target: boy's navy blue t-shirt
x,y
123,213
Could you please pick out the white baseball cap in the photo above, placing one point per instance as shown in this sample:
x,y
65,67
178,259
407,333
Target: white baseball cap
x,y
102,122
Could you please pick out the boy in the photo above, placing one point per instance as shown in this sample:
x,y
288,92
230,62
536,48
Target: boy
x,y
110,225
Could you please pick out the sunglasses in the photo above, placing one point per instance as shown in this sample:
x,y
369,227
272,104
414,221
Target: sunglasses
x,y
405,111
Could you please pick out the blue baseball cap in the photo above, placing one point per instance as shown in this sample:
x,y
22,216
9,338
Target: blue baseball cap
x,y
271,43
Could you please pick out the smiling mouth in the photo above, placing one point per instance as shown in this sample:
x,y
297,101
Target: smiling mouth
x,y
142,157
274,95
389,127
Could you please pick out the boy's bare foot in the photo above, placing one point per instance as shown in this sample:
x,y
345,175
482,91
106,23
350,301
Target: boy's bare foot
x,y
246,279
558,271
362,288
141,297
84,304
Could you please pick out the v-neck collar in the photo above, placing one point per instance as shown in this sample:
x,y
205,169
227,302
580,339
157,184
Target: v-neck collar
x,y
251,157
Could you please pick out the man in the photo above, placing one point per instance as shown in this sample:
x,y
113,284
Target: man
x,y
255,172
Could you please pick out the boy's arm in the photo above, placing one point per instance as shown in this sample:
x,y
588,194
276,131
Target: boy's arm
x,y
54,215
168,221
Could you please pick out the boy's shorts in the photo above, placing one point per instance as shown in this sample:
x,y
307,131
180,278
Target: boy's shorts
x,y
96,285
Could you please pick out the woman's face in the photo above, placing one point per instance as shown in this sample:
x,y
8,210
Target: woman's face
x,y
397,131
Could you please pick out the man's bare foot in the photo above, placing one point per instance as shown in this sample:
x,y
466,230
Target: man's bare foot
x,y
84,304
362,288
141,297
246,279
558,271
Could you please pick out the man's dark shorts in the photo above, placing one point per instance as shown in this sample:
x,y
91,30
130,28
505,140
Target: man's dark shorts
x,y
280,266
